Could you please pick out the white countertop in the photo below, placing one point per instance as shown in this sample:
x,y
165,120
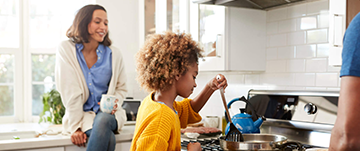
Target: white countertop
x,y
125,135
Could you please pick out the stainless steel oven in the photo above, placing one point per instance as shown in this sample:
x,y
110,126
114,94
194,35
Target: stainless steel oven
x,y
306,117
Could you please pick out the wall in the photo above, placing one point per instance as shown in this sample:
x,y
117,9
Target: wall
x,y
297,57
124,33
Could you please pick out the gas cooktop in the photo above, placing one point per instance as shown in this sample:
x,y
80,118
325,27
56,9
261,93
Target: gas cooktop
x,y
213,144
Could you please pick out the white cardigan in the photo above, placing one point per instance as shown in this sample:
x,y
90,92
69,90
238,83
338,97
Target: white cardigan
x,y
71,84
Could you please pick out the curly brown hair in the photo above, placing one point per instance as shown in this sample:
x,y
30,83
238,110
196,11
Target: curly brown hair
x,y
164,56
78,32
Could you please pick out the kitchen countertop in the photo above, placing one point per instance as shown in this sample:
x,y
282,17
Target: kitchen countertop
x,y
44,141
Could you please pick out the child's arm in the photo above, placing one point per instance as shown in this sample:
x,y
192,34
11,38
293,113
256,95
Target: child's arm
x,y
199,101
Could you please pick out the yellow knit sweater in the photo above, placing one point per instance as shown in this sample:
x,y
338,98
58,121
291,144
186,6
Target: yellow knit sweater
x,y
158,127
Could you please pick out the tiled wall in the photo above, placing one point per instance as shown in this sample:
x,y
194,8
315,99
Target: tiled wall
x,y
297,58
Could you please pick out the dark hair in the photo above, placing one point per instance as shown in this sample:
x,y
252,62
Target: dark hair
x,y
163,57
78,32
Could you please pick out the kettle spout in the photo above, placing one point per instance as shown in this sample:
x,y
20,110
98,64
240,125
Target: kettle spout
x,y
259,121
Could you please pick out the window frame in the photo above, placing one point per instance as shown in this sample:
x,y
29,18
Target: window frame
x,y
23,69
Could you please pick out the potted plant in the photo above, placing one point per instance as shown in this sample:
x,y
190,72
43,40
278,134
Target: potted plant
x,y
53,105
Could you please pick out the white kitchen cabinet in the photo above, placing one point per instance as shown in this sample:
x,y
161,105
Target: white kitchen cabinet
x,y
46,149
337,27
120,146
123,146
234,39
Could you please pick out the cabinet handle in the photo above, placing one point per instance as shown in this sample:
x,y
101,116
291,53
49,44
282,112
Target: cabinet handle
x,y
219,45
338,30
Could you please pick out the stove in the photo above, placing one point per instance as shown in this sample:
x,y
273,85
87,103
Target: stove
x,y
207,144
213,144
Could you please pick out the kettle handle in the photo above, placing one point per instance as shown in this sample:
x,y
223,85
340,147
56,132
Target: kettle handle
x,y
254,114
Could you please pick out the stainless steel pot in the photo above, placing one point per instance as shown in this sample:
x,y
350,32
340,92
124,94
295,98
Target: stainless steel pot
x,y
254,142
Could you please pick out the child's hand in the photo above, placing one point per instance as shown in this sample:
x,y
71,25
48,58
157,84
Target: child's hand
x,y
217,82
194,146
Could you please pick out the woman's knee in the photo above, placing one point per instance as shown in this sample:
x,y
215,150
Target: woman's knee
x,y
104,120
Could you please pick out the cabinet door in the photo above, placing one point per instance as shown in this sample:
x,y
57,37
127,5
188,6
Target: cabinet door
x,y
245,39
337,23
75,148
207,26
123,146
46,149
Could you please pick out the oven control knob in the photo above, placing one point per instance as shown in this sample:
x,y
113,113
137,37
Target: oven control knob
x,y
310,108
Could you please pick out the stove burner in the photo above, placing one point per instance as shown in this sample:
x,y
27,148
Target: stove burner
x,y
206,144
214,145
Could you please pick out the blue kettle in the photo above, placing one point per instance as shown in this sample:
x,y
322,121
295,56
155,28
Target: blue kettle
x,y
243,121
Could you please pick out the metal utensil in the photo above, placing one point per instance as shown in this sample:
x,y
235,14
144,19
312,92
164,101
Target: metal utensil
x,y
255,142
234,134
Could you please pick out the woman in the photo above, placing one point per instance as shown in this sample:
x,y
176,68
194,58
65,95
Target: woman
x,y
87,67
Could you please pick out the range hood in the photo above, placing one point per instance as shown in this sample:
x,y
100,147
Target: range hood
x,y
253,4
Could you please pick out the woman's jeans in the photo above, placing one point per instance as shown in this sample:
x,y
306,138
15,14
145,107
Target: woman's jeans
x,y
101,136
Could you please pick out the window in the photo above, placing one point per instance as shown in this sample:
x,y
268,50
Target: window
x,y
48,23
30,32
6,85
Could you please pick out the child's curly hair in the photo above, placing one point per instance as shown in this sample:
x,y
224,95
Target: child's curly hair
x,y
164,56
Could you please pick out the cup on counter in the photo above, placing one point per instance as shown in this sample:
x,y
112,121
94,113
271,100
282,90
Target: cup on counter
x,y
212,121
107,103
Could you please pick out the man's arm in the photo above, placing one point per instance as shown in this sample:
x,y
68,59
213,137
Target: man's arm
x,y
346,132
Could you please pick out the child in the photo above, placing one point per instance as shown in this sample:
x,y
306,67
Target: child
x,y
167,65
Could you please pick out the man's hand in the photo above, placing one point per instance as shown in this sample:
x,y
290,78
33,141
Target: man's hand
x,y
79,138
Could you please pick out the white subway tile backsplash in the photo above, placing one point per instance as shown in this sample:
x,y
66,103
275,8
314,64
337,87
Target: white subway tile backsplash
x,y
294,88
323,20
308,22
297,65
287,25
286,52
271,53
252,79
276,40
323,50
327,79
316,65
297,11
234,78
317,7
277,79
305,51
333,89
276,66
317,36
296,38
272,28
276,14
316,88
305,79
333,69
